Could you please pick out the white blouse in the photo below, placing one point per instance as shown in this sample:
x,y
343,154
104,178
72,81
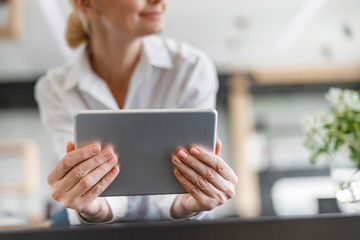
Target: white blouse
x,y
169,74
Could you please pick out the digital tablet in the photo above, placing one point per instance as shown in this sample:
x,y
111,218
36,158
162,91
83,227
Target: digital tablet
x,y
144,141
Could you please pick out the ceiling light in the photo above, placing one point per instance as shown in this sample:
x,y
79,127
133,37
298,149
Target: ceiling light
x,y
298,25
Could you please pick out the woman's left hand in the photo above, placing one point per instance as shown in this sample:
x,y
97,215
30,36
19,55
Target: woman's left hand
x,y
206,177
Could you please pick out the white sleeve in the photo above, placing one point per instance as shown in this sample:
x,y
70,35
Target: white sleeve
x,y
201,85
54,115
59,121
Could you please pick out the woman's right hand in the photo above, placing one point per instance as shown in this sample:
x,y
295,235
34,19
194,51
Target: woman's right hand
x,y
81,176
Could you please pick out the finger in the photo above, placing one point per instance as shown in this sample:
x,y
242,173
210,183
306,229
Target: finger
x,y
71,159
204,170
199,196
214,162
92,178
96,190
84,168
70,146
218,147
195,178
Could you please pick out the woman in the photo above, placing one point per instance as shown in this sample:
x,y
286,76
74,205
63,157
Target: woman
x,y
124,66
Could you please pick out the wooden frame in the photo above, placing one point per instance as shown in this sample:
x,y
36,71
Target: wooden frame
x,y
28,153
13,27
247,199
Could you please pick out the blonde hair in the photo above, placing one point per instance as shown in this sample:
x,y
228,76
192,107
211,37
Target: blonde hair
x,y
78,29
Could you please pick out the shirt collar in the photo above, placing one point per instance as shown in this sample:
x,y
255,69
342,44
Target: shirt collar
x,y
157,52
154,50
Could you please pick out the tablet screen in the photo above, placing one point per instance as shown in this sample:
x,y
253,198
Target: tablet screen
x,y
144,141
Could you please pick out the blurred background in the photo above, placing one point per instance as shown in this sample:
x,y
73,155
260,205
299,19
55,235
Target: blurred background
x,y
275,60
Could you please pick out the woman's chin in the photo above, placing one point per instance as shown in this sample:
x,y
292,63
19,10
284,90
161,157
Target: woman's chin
x,y
153,30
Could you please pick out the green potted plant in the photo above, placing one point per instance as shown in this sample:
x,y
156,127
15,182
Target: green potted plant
x,y
334,135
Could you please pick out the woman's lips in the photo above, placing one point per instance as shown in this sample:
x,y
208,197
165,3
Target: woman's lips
x,y
153,15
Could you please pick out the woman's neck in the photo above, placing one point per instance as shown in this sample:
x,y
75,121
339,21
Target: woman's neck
x,y
114,59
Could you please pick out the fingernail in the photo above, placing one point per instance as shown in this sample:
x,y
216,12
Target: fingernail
x,y
112,160
194,151
175,160
182,154
108,153
95,148
115,170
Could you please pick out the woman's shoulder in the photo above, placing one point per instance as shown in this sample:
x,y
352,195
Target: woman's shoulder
x,y
58,77
178,49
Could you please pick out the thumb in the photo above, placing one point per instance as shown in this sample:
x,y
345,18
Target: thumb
x,y
70,146
218,147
